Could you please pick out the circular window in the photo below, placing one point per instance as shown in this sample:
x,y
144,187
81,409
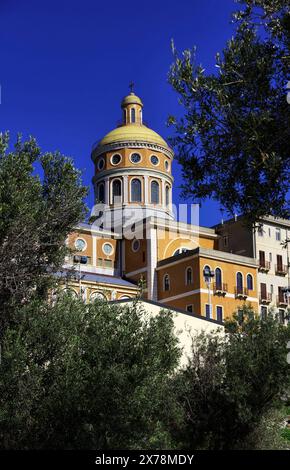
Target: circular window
x,y
166,165
135,245
107,248
154,160
115,159
80,244
101,164
135,158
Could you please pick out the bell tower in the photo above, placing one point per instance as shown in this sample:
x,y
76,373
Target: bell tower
x,y
132,109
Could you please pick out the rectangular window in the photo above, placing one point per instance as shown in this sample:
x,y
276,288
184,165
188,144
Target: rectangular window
x,y
281,294
279,263
226,240
240,316
272,289
107,263
260,231
263,313
189,308
219,313
269,232
263,291
270,257
278,234
208,311
281,314
262,258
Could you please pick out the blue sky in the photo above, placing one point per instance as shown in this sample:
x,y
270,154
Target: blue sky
x,y
66,64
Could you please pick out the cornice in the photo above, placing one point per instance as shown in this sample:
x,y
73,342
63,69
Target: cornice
x,y
98,150
139,171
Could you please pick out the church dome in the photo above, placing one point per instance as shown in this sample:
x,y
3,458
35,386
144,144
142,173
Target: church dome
x,y
133,168
132,128
133,133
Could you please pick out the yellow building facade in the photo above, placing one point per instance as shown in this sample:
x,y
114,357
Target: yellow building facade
x,y
133,238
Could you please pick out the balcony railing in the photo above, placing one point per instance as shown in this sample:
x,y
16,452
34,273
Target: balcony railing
x,y
281,269
264,266
79,259
241,292
220,288
265,298
282,300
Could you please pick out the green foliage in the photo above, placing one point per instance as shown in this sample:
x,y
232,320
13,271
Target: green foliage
x,y
231,381
102,376
36,215
271,15
233,138
268,433
87,376
285,433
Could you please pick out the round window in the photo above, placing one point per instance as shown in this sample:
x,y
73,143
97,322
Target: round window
x,y
135,245
101,164
166,165
80,244
135,158
115,160
154,160
107,249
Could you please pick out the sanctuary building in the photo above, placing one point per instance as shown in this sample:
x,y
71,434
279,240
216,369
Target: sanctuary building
x,y
134,246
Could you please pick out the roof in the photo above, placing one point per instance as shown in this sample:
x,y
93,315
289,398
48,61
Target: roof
x,y
176,226
131,99
208,253
101,279
167,307
133,133
267,218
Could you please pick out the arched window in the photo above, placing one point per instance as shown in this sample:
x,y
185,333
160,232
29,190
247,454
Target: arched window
x,y
218,278
188,276
239,283
117,192
207,273
133,115
101,192
167,193
97,296
154,192
249,282
136,190
71,292
166,282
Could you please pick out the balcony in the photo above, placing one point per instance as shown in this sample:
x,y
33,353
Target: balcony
x,y
282,300
78,259
241,292
220,288
264,266
281,269
265,298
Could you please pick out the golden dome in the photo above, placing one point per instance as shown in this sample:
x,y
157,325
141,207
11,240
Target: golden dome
x,y
131,99
133,133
